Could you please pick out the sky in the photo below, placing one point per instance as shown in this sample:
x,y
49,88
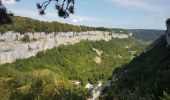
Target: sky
x,y
128,14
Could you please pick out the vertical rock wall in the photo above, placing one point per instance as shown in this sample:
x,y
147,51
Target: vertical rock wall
x,y
12,48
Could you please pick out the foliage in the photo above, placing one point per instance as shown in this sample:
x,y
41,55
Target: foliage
x,y
26,38
24,25
64,9
145,77
50,74
147,36
165,96
4,15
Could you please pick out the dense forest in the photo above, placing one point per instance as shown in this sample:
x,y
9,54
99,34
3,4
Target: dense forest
x,y
147,36
24,25
136,72
146,77
49,75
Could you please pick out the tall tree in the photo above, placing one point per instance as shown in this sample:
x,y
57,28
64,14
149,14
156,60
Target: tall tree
x,y
63,7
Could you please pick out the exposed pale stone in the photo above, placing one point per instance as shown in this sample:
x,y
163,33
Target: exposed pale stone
x,y
76,82
98,52
12,48
89,86
119,56
98,60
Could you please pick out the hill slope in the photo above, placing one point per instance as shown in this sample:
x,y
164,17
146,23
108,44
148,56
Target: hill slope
x,y
144,78
51,73
24,25
147,35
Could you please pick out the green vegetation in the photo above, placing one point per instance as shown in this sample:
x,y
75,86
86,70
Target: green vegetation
x,y
26,38
23,25
146,35
49,75
145,78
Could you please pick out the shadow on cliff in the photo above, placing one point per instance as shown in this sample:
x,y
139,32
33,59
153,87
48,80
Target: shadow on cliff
x,y
146,77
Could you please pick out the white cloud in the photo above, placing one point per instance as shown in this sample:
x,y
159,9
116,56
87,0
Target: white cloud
x,y
9,1
85,18
78,19
75,21
147,5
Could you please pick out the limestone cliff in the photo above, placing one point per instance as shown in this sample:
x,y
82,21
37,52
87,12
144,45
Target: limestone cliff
x,y
12,48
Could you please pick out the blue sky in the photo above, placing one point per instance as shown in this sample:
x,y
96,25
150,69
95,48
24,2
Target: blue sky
x,y
131,14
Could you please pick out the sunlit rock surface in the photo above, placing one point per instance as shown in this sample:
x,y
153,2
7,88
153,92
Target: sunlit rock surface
x,y
12,48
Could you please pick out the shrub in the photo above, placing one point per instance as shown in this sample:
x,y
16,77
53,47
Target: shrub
x,y
26,38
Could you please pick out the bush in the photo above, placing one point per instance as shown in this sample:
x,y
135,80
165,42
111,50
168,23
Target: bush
x,y
26,38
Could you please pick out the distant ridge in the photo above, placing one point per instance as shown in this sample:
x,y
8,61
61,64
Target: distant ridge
x,y
147,35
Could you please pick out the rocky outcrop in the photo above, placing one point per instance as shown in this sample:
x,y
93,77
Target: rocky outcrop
x,y
98,59
12,48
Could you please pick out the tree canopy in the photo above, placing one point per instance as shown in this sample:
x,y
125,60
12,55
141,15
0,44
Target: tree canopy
x,y
24,25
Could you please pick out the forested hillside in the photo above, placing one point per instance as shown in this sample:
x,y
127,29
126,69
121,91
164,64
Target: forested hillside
x,y
50,74
42,58
24,25
147,35
144,78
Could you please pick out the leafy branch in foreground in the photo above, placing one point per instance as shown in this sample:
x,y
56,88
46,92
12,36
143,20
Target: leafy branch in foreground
x,y
4,14
64,8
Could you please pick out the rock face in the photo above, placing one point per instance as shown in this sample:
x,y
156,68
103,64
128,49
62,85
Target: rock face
x,y
12,48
